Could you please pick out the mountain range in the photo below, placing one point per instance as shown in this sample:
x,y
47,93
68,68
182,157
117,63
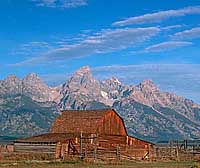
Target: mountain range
x,y
29,106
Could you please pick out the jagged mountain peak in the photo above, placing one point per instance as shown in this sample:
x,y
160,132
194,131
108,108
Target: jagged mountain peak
x,y
83,71
81,89
35,88
32,77
31,86
147,81
114,80
10,85
148,85
12,77
82,78
111,85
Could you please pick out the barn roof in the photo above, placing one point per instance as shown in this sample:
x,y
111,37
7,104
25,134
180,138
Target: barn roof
x,y
79,120
60,137
50,138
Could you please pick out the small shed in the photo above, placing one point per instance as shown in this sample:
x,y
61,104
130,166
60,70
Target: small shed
x,y
88,134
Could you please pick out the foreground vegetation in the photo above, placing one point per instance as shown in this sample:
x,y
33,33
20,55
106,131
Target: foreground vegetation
x,y
77,164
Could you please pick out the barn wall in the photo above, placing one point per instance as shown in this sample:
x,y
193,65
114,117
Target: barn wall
x,y
128,147
137,142
139,148
112,124
34,148
105,145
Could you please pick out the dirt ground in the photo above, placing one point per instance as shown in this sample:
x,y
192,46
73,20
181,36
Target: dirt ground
x,y
76,164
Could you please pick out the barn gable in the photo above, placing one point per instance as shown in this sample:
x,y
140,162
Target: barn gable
x,y
105,121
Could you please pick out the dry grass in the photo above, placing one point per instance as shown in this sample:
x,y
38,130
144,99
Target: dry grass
x,y
16,160
79,164
25,156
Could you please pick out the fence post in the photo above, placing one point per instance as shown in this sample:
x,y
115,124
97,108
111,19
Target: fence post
x,y
194,145
81,145
118,152
95,147
177,154
171,148
185,144
149,153
58,150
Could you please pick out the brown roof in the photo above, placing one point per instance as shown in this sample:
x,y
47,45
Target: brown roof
x,y
139,139
78,120
49,138
60,137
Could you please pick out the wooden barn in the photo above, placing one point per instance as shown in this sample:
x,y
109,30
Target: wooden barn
x,y
88,134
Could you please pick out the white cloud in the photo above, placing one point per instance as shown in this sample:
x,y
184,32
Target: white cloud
x,y
158,16
60,3
188,34
169,45
104,41
172,27
32,48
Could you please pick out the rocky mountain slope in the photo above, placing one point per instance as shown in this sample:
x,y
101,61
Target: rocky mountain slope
x,y
148,112
31,86
27,106
20,116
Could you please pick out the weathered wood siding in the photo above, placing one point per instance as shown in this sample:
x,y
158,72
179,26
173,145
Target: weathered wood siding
x,y
129,147
34,147
111,124
131,141
107,147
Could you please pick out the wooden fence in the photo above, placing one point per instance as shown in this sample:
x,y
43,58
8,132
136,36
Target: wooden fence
x,y
178,150
103,148
112,148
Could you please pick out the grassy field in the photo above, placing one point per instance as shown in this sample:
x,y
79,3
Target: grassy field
x,y
99,165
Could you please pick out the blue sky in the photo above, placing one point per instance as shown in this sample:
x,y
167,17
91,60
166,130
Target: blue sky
x,y
155,39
